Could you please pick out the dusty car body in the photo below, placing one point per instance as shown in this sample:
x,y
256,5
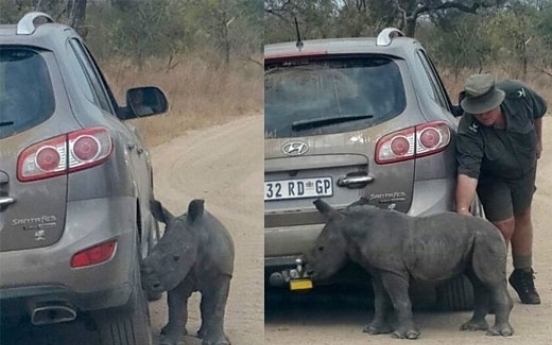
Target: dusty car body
x,y
75,186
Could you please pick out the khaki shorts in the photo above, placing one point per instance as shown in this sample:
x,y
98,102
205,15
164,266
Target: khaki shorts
x,y
503,198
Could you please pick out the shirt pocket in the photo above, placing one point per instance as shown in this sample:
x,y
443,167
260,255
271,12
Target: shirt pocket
x,y
524,143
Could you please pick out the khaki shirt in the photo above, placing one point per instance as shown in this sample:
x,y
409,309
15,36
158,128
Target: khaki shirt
x,y
505,153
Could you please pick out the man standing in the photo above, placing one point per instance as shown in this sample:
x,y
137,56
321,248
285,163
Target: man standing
x,y
498,144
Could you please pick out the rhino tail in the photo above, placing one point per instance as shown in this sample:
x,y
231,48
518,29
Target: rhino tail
x,y
489,256
195,209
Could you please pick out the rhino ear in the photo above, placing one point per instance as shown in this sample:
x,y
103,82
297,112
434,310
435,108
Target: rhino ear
x,y
326,209
195,209
160,213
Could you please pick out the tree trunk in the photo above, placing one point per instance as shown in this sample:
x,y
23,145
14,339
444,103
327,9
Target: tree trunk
x,y
409,28
46,6
76,10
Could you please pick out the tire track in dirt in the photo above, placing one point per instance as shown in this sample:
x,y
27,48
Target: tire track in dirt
x,y
224,166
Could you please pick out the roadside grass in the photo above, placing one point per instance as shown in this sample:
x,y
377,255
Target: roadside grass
x,y
200,93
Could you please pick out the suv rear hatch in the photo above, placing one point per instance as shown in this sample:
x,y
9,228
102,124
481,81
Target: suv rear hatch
x,y
33,157
324,118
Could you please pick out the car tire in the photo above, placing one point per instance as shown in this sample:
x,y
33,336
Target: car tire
x,y
455,294
129,325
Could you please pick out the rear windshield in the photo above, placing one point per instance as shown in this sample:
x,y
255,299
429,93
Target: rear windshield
x,y
26,95
330,95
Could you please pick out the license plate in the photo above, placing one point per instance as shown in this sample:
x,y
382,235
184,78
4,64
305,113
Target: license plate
x,y
297,189
300,284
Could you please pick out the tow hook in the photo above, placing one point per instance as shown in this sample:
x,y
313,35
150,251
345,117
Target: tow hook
x,y
296,278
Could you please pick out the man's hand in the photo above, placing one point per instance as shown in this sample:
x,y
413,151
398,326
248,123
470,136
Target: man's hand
x,y
464,211
465,193
539,150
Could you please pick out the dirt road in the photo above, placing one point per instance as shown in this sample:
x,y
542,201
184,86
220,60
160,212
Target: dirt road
x,y
222,165
312,320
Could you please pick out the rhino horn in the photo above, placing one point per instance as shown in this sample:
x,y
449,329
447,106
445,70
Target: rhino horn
x,y
195,209
326,209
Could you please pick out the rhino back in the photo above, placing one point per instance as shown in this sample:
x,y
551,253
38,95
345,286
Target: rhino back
x,y
217,247
377,237
439,246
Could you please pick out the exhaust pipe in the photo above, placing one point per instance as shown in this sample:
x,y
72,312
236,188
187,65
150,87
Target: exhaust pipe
x,y
52,314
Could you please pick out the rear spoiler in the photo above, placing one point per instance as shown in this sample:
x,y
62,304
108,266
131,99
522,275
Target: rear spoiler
x,y
295,54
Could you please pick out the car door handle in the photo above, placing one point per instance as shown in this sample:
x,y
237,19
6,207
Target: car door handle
x,y
6,200
354,181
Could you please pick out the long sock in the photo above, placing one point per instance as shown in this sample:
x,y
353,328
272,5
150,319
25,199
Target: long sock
x,y
524,262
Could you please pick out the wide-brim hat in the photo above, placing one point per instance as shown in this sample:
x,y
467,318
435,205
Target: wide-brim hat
x,y
481,94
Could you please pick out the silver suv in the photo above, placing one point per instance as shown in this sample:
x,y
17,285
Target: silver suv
x,y
353,118
75,186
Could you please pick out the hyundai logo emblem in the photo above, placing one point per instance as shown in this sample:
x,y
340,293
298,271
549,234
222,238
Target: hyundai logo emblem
x,y
295,148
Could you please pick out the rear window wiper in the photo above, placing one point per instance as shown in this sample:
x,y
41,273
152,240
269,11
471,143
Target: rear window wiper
x,y
6,123
326,121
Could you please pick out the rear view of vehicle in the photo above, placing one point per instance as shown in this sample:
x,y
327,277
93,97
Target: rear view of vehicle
x,y
347,119
74,186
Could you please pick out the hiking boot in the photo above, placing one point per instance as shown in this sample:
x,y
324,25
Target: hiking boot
x,y
522,281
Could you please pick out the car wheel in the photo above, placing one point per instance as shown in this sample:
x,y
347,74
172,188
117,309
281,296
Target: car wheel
x,y
129,325
455,294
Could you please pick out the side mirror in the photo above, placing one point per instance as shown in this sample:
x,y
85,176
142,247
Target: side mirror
x,y
145,101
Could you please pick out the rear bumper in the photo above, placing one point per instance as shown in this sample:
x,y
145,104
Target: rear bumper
x,y
44,275
16,303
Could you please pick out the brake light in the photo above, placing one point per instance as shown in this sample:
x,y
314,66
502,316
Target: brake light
x,y
64,154
413,142
95,255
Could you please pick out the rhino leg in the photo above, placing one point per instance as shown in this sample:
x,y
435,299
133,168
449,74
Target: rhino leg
x,y
379,324
213,305
489,265
503,305
481,298
397,287
177,300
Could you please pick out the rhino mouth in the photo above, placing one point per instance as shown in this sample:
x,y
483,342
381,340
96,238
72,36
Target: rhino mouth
x,y
156,287
153,285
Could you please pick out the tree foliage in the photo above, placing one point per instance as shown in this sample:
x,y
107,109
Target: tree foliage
x,y
513,34
223,29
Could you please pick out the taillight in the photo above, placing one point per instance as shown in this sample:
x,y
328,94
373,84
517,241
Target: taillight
x,y
413,142
95,255
64,154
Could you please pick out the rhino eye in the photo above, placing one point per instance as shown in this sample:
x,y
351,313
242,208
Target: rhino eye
x,y
176,257
321,248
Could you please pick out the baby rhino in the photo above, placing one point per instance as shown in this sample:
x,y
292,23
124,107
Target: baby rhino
x,y
394,247
196,253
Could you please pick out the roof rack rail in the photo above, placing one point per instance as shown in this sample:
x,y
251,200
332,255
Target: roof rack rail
x,y
386,36
26,25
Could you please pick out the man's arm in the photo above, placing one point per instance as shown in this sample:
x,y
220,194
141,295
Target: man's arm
x,y
465,192
538,131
